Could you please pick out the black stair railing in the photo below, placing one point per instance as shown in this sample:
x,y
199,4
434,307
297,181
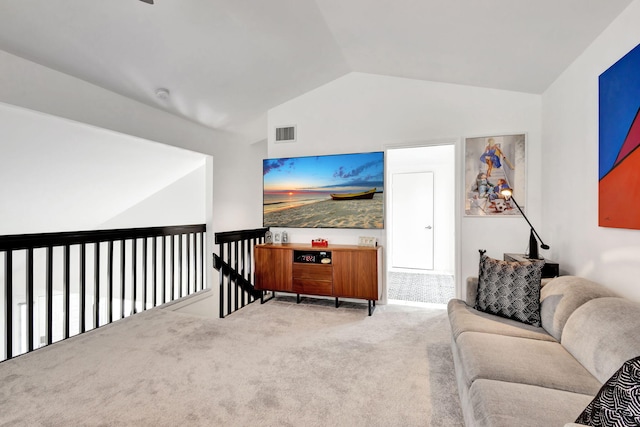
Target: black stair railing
x,y
235,264
81,280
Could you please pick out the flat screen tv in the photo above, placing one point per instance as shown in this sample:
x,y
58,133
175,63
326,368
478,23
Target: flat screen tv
x,y
331,191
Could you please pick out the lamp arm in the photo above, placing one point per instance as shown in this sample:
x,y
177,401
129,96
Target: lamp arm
x,y
542,244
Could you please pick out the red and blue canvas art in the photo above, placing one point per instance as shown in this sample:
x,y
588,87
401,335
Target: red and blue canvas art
x,y
619,139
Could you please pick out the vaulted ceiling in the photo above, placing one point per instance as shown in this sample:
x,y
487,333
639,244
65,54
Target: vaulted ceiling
x,y
226,62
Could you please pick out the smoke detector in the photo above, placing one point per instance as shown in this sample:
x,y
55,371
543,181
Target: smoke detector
x,y
163,93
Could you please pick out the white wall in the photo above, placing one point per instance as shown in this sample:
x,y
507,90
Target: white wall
x,y
60,175
364,112
237,196
181,202
570,165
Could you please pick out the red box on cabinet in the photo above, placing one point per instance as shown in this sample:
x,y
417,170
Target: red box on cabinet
x,y
319,243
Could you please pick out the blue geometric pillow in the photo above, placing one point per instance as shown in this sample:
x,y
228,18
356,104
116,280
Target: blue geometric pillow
x,y
510,289
617,404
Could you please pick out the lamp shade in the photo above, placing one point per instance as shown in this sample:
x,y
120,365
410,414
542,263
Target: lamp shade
x,y
506,192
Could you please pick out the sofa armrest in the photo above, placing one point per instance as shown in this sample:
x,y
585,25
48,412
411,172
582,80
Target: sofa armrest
x,y
472,291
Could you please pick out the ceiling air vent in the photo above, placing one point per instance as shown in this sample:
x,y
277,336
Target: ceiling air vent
x,y
286,134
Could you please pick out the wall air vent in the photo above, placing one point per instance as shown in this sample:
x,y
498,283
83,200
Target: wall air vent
x,y
286,134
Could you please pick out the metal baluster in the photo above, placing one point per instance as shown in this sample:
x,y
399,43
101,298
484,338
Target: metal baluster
x,y
164,269
49,295
96,288
242,270
154,266
173,261
188,264
221,280
250,277
8,303
229,284
67,291
144,274
180,264
30,300
202,259
123,275
110,282
236,267
83,288
134,279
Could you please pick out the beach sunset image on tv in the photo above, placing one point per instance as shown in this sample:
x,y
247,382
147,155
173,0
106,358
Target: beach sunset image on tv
x,y
333,191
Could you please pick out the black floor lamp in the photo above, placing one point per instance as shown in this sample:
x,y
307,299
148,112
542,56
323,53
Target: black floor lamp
x,y
533,243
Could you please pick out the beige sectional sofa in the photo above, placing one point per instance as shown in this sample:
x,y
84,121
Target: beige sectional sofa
x,y
514,374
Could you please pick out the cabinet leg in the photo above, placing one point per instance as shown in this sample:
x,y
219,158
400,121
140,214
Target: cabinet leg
x,y
297,298
337,303
263,300
372,306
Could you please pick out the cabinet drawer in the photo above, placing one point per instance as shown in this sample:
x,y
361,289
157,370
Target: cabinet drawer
x,y
312,272
313,287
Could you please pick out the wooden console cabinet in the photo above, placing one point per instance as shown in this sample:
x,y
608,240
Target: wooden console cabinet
x,y
340,271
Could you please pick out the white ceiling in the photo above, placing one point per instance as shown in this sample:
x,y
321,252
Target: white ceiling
x,y
226,62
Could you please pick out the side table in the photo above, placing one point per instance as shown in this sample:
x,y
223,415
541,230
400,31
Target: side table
x,y
550,269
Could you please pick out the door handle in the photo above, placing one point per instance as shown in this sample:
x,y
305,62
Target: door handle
x,y
428,227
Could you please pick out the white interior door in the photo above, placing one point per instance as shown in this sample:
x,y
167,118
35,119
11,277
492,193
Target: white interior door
x,y
412,220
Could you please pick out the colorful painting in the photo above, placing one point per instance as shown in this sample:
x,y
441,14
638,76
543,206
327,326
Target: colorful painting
x,y
333,191
492,164
619,138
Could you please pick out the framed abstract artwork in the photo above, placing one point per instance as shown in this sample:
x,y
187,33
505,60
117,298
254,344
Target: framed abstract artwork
x,y
491,164
619,138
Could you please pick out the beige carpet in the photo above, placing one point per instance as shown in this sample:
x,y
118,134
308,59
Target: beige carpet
x,y
277,364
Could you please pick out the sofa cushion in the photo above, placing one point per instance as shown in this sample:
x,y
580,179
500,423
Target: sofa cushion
x,y
602,334
464,318
504,404
471,288
560,298
510,289
618,401
522,360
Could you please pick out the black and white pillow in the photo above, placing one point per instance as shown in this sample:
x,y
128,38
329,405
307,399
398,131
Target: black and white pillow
x,y
510,289
617,404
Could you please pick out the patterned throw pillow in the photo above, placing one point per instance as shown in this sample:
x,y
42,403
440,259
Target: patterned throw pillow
x,y
617,403
510,289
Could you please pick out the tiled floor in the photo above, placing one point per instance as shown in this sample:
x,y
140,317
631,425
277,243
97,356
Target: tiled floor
x,y
418,287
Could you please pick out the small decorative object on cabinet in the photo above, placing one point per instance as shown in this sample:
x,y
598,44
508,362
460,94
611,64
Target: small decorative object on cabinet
x,y
319,243
551,269
340,271
367,241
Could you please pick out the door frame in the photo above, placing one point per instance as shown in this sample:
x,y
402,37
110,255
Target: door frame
x,y
458,161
